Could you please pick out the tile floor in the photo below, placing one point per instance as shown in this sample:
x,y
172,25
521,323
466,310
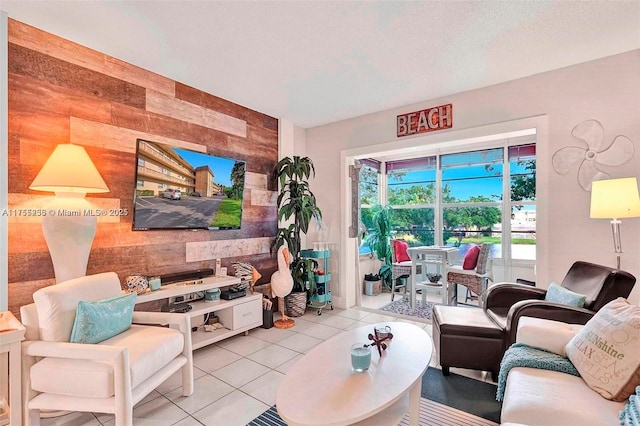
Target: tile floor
x,y
237,379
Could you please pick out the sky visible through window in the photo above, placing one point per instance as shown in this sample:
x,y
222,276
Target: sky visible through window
x,y
490,186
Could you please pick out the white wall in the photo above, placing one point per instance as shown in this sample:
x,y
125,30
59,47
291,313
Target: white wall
x,y
292,141
607,90
286,138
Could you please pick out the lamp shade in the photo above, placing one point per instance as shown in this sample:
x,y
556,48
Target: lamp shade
x,y
615,199
69,169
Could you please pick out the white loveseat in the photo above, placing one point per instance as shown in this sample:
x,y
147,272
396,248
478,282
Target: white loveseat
x,y
542,397
107,377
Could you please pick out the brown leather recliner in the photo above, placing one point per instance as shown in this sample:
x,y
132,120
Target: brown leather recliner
x,y
506,303
477,339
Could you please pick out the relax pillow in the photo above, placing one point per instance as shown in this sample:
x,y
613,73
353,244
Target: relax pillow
x,y
400,249
559,294
471,258
101,320
606,351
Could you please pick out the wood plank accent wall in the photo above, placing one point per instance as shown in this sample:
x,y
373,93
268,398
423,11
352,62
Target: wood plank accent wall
x,y
61,92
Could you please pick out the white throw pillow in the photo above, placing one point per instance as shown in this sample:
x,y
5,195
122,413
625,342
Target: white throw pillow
x,y
606,352
546,334
56,304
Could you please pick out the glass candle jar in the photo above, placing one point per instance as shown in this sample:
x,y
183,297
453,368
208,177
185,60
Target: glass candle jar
x,y
360,357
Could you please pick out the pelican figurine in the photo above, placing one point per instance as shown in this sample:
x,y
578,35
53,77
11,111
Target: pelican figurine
x,y
282,284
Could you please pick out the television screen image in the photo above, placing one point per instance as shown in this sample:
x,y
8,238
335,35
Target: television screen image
x,y
178,188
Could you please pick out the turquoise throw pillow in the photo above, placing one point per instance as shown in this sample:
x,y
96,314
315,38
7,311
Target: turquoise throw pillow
x,y
559,294
101,320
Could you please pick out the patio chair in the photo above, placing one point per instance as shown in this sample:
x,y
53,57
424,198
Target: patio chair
x,y
475,280
400,267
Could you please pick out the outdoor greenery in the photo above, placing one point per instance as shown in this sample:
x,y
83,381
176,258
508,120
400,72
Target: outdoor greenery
x,y
237,181
296,201
379,239
228,214
368,186
523,187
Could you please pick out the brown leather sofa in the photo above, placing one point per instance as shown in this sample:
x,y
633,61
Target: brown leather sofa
x,y
477,338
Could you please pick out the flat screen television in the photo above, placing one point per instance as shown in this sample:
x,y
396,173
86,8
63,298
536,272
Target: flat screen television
x,y
178,188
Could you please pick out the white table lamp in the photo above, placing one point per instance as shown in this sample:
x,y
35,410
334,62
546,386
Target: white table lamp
x,y
70,224
615,199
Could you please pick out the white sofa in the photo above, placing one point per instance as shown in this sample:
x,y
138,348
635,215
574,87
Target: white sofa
x,y
542,397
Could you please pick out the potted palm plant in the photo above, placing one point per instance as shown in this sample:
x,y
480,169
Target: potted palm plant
x,y
379,239
297,202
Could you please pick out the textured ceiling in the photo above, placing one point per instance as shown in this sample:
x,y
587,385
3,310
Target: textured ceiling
x,y
315,62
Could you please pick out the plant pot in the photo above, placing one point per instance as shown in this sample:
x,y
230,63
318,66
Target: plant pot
x,y
372,288
295,304
368,288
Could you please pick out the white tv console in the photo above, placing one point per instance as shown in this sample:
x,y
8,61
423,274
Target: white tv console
x,y
237,315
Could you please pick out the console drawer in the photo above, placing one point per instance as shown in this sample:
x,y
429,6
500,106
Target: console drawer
x,y
242,315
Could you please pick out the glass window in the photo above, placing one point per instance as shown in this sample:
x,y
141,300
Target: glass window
x,y
411,182
463,226
368,186
522,163
369,192
414,225
140,183
411,187
472,176
411,191
474,206
523,232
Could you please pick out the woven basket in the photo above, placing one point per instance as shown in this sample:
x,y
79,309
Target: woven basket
x,y
295,304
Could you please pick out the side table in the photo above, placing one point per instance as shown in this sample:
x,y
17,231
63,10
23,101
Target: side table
x,y
417,255
11,336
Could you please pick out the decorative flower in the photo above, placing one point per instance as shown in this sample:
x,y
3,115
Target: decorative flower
x,y
592,132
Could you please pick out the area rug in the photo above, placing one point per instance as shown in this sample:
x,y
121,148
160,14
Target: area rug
x,y
446,400
431,413
402,307
465,394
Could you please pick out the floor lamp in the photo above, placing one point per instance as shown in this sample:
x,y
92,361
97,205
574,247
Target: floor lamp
x,y
615,199
70,223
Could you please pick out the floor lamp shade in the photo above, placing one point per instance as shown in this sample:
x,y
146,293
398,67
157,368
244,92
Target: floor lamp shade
x,y
69,226
615,199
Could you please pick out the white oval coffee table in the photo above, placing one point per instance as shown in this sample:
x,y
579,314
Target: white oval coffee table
x,y
321,389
